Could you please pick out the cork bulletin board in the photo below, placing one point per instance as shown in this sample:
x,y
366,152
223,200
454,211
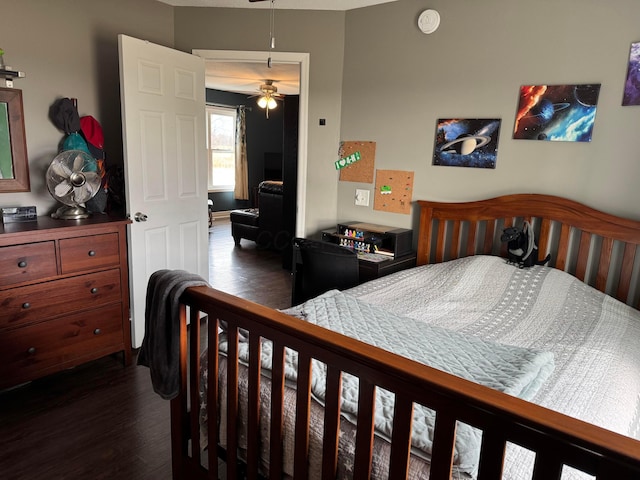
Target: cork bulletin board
x,y
362,170
394,190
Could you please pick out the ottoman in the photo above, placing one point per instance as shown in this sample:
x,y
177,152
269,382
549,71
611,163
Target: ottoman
x,y
244,224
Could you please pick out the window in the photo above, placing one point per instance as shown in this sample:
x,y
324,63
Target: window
x,y
221,148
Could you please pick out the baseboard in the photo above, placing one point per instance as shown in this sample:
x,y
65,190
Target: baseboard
x,y
222,214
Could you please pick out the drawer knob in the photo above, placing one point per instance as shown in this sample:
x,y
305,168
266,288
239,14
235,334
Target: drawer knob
x,y
26,305
94,290
92,253
22,263
97,331
31,350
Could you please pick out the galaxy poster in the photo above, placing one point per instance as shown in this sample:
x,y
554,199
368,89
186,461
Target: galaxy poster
x,y
467,142
561,113
632,86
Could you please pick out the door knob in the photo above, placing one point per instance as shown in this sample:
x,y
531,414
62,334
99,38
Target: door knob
x,y
140,217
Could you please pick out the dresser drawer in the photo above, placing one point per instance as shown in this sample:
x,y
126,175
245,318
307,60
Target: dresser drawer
x,y
36,350
27,262
84,253
50,299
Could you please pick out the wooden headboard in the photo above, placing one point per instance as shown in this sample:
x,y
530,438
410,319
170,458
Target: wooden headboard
x,y
596,247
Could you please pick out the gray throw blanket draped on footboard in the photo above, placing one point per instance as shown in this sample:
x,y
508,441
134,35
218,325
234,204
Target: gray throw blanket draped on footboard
x,y
161,344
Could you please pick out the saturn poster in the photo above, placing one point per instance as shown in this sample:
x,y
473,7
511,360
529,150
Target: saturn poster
x,y
562,113
466,142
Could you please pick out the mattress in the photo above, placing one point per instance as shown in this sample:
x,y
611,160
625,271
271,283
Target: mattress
x,y
592,337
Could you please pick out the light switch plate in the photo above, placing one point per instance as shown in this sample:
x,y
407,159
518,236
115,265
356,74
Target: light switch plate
x,y
362,197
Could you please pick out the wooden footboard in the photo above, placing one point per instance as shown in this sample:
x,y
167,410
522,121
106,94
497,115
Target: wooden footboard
x,y
596,247
556,439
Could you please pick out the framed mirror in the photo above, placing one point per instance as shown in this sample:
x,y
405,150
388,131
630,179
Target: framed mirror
x,y
14,164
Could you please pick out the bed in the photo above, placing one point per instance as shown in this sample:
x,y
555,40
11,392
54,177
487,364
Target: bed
x,y
276,417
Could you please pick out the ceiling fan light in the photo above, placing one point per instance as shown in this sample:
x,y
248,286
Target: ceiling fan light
x,y
262,102
271,103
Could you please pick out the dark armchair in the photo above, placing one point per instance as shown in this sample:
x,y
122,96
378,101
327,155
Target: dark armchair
x,y
321,266
270,223
263,225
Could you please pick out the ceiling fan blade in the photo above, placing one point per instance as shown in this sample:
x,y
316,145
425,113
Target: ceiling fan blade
x,y
257,1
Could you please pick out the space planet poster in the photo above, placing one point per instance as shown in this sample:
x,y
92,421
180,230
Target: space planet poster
x,y
563,113
632,85
463,142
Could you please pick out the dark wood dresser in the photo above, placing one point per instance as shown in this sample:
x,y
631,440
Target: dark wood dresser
x,y
64,295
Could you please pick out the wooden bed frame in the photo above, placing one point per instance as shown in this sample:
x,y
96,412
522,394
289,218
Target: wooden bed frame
x,y
596,247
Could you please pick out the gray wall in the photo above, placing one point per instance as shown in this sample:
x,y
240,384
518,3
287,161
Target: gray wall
x,y
373,76
69,48
399,81
319,33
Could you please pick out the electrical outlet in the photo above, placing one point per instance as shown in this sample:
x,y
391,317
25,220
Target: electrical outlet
x,y
362,197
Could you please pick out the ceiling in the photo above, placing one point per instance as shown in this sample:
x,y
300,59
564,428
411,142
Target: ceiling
x,y
245,78
280,4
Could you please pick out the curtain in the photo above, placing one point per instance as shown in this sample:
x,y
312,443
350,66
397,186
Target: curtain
x,y
241,191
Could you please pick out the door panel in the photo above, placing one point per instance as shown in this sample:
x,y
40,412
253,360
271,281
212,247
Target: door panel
x,y
153,162
163,121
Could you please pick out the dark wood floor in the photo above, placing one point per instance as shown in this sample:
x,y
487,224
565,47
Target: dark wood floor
x,y
103,421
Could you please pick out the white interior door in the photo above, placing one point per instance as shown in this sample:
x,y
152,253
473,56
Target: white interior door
x,y
162,96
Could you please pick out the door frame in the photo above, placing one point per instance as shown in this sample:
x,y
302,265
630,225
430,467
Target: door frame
x,y
302,59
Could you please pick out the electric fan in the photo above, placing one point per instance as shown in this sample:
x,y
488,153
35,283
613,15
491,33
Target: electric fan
x,y
73,177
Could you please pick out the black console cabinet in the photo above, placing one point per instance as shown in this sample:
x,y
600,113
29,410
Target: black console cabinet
x,y
393,246
395,242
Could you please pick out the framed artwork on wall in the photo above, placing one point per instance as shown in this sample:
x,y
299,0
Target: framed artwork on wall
x,y
561,113
464,142
14,164
632,85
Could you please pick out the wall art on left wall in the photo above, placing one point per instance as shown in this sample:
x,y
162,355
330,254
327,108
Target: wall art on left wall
x,y
14,163
632,85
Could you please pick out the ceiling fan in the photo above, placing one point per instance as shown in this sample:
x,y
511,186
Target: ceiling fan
x,y
268,94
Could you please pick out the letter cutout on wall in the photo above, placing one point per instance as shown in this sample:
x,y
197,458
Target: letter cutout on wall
x,y
361,170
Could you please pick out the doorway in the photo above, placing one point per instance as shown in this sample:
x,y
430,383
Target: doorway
x,y
302,60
